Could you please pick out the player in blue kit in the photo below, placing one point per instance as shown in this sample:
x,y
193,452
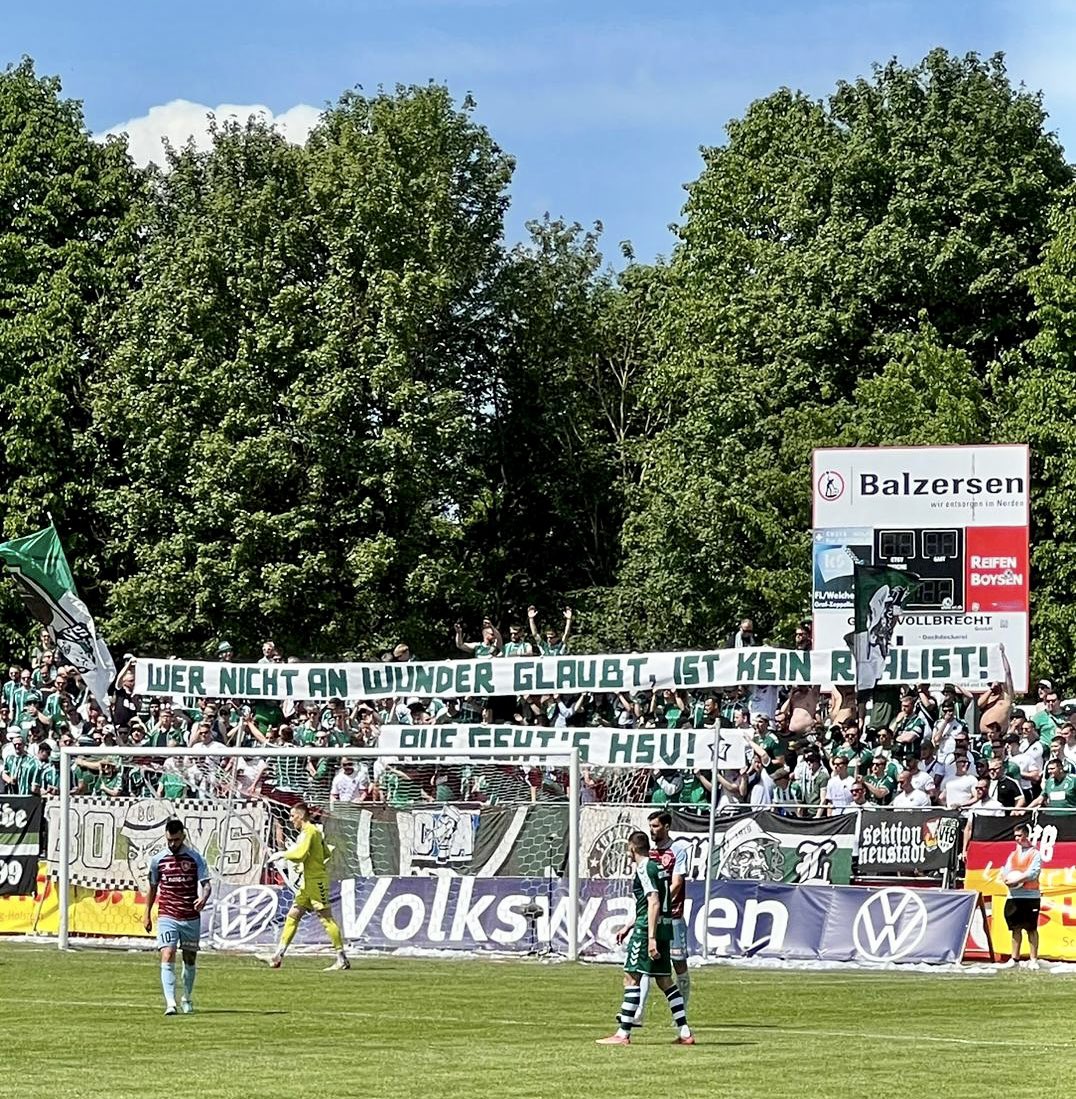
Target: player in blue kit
x,y
179,883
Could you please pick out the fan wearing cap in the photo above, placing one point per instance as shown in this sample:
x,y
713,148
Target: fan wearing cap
x,y
1042,689
19,767
102,777
34,723
1050,719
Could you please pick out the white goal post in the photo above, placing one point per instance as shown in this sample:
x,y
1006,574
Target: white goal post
x,y
224,762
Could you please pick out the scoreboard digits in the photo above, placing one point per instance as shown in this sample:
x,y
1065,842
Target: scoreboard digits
x,y
936,556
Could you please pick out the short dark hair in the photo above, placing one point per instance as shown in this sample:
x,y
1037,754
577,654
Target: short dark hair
x,y
662,815
640,842
173,826
1021,829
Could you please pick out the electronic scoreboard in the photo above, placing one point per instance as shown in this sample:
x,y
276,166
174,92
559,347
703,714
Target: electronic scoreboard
x,y
956,517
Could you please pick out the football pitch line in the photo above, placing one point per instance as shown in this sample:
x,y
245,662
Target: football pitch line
x,y
150,1004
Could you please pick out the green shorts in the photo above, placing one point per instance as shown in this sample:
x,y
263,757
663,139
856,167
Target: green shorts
x,y
638,958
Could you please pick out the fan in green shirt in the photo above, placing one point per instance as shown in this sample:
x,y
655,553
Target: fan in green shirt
x,y
553,644
879,782
517,645
20,768
1049,720
1058,790
18,696
490,644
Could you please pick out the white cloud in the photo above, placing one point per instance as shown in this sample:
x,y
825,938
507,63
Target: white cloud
x,y
181,119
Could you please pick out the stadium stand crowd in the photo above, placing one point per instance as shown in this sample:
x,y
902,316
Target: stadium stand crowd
x,y
810,754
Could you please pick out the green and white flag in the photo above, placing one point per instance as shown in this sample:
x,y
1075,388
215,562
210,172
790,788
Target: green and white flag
x,y
38,566
880,595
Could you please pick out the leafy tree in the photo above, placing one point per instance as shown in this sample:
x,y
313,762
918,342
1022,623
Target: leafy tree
x,y
835,257
66,255
569,413
1036,388
290,412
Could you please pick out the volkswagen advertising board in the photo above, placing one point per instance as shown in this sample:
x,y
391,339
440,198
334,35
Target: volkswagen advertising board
x,y
956,516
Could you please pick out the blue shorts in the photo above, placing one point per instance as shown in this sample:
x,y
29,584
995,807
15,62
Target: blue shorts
x,y
182,933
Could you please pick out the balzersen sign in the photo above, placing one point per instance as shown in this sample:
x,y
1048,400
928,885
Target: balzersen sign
x,y
955,516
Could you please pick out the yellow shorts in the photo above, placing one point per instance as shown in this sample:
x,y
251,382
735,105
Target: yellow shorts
x,y
313,897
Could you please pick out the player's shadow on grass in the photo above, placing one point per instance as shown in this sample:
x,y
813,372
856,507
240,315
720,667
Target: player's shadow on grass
x,y
239,1011
735,1026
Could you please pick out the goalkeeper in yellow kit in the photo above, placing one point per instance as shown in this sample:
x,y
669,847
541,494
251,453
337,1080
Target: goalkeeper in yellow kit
x,y
312,852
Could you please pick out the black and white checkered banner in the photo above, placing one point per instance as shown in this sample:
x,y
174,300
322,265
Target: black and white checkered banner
x,y
113,839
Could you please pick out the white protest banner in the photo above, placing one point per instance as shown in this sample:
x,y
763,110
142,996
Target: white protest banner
x,y
658,749
964,665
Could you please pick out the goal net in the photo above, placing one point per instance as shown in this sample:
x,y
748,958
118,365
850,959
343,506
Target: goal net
x,y
459,851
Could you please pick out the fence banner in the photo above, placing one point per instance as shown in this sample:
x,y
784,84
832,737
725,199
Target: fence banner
x,y
520,915
113,839
105,913
454,839
825,923
20,843
679,749
1055,836
908,841
964,665
755,845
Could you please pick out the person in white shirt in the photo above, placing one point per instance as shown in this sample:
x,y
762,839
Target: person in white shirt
x,y
984,806
946,728
1029,758
1070,743
921,780
350,783
907,796
961,747
838,793
960,789
931,765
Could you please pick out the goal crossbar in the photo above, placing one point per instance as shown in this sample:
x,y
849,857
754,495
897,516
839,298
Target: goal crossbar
x,y
570,756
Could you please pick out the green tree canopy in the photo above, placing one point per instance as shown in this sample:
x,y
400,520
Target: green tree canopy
x,y
841,265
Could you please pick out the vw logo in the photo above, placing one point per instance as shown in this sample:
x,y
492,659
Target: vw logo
x,y
245,912
830,485
889,925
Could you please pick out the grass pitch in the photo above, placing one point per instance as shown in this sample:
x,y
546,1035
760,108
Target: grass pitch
x,y
90,1024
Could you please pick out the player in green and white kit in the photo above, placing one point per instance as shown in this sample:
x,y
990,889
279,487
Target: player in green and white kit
x,y
649,938
672,857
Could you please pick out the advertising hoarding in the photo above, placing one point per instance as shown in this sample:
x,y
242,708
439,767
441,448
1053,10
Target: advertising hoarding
x,y
956,516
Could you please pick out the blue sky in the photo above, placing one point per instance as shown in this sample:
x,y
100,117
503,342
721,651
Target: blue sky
x,y
604,105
